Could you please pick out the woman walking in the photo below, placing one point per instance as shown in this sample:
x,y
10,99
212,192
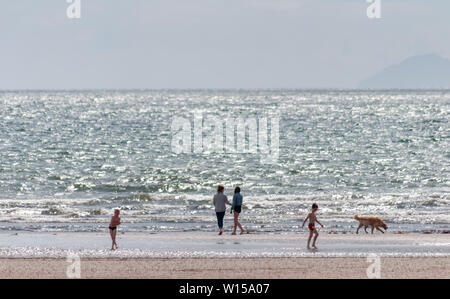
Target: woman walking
x,y
236,206
219,201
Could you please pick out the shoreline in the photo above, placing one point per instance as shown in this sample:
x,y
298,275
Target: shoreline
x,y
208,245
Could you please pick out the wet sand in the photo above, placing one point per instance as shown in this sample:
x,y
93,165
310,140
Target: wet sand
x,y
206,255
227,268
209,245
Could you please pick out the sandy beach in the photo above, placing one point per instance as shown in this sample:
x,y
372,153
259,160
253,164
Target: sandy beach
x,y
206,255
250,268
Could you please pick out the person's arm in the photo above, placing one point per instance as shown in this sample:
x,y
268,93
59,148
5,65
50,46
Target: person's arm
x,y
234,202
319,222
303,225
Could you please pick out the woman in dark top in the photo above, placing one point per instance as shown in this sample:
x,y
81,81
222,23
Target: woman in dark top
x,y
236,206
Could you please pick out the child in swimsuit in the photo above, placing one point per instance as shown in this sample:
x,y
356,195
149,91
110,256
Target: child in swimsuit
x,y
312,228
115,221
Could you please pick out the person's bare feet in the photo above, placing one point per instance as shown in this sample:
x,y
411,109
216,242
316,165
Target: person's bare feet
x,y
220,233
233,233
315,247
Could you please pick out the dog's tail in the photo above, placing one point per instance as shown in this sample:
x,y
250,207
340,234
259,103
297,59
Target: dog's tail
x,y
356,217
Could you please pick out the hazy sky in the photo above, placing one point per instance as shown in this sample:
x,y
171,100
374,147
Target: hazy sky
x,y
212,43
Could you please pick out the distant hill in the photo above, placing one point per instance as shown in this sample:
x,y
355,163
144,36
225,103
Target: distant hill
x,y
424,71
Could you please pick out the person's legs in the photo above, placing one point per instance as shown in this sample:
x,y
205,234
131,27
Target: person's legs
x,y
220,216
309,238
234,223
114,234
316,234
237,223
111,233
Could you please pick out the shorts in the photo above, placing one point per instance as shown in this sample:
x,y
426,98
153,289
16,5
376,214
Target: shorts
x,y
237,209
311,226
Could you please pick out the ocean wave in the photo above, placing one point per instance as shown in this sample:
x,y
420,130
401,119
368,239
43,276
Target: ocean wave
x,y
266,213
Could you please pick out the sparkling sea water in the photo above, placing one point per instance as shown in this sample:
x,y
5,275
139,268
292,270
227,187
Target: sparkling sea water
x,y
67,158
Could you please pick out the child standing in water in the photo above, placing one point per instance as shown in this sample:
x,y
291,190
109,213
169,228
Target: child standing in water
x,y
115,221
312,228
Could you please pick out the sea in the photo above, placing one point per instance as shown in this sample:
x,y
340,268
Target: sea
x,y
68,158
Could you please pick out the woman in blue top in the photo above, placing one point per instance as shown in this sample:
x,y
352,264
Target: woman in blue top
x,y
236,207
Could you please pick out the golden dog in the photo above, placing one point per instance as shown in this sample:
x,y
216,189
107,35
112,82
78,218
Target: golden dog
x,y
373,222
